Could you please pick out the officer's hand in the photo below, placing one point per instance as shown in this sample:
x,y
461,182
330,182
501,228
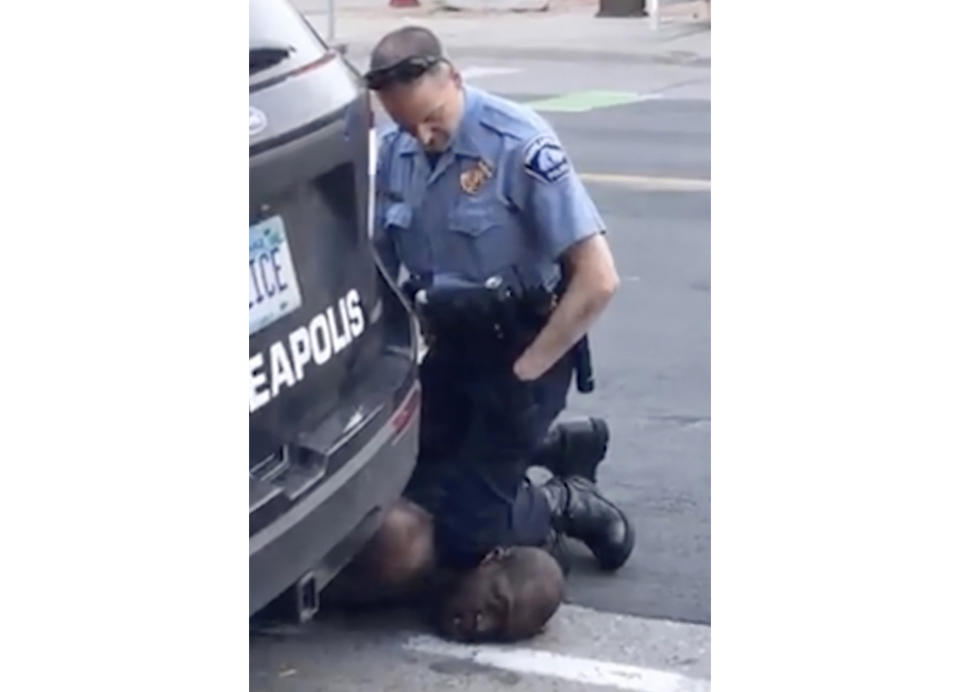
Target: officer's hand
x,y
528,368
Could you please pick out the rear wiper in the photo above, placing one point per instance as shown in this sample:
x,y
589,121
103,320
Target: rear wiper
x,y
267,54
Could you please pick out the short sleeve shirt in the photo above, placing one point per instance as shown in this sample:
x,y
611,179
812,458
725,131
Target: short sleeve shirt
x,y
502,200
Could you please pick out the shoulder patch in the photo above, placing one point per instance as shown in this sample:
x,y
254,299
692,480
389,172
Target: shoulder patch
x,y
545,159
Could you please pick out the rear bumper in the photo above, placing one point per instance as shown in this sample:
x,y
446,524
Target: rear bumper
x,y
325,529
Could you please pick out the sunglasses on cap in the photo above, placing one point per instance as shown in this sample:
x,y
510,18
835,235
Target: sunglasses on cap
x,y
407,70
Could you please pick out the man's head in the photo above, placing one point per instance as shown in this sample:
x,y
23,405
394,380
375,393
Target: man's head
x,y
511,595
417,85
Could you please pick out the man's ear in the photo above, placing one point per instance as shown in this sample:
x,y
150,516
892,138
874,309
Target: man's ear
x,y
495,555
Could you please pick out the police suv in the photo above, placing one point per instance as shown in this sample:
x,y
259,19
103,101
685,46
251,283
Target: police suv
x,y
334,399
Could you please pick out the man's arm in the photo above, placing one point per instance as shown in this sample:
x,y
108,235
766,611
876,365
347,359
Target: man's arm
x,y
568,226
592,282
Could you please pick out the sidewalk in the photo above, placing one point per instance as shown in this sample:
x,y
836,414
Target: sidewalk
x,y
568,27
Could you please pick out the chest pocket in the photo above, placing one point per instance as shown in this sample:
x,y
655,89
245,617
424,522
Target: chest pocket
x,y
483,237
413,246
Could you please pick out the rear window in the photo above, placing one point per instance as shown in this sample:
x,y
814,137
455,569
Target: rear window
x,y
276,26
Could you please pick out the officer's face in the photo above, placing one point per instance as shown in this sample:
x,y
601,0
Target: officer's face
x,y
429,109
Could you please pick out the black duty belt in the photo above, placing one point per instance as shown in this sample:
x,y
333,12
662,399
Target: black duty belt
x,y
492,322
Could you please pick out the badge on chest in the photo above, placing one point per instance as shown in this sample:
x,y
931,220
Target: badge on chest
x,y
472,179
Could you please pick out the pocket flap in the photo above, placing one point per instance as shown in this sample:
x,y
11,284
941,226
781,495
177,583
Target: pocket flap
x,y
399,215
472,222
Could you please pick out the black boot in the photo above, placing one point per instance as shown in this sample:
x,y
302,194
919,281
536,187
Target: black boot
x,y
579,510
574,448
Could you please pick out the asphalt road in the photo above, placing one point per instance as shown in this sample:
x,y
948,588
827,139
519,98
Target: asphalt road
x,y
648,169
652,354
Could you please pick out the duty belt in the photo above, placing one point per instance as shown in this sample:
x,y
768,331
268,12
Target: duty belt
x,y
491,322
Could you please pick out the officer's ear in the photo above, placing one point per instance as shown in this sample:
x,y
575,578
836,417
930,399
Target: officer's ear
x,y
456,76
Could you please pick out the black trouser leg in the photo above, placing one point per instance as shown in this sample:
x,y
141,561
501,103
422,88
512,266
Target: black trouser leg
x,y
480,432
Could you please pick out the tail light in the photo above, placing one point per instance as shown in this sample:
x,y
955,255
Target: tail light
x,y
405,412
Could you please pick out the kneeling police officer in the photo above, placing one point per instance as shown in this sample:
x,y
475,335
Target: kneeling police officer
x,y
508,267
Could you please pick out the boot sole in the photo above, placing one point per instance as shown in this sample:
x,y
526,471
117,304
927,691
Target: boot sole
x,y
601,426
563,467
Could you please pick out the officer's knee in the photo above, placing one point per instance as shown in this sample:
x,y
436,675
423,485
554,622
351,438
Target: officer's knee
x,y
402,549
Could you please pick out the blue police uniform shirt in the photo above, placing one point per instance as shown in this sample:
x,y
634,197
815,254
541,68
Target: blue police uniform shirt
x,y
501,200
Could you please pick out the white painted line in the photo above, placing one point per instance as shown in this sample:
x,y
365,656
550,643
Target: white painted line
x,y
549,664
476,72
650,182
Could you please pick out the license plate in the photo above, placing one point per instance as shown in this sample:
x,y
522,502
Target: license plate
x,y
274,291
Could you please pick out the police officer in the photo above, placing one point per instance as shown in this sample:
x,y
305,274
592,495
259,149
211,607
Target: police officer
x,y
472,187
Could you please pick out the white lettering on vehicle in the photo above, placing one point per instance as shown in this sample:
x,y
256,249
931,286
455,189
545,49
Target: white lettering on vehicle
x,y
318,326
328,333
356,314
300,350
280,371
258,397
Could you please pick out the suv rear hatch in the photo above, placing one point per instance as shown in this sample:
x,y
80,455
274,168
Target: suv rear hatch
x,y
332,350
